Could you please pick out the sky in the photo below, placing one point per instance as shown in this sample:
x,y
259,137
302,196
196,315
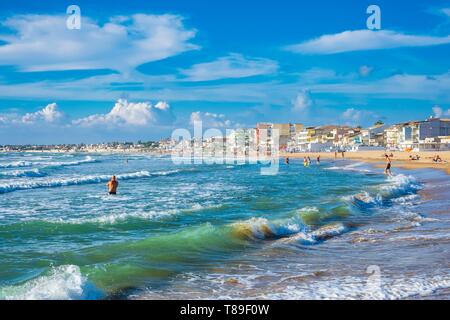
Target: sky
x,y
137,70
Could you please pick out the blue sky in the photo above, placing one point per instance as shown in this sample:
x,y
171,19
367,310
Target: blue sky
x,y
138,69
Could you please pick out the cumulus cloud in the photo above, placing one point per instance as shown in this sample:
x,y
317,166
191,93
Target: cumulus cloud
x,y
42,42
360,40
49,114
439,112
302,101
232,66
211,120
126,113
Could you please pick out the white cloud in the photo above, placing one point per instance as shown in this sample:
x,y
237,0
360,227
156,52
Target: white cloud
x,y
162,105
364,71
131,114
439,112
359,40
302,101
411,86
49,114
42,42
232,66
211,120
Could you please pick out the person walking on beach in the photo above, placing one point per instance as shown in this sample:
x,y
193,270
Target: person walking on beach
x,y
112,185
387,170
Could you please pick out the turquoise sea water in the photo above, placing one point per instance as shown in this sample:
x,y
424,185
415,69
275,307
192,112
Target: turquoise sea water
x,y
334,230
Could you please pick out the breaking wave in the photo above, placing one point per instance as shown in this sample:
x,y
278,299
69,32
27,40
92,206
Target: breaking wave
x,y
60,182
23,173
62,283
400,189
17,164
292,230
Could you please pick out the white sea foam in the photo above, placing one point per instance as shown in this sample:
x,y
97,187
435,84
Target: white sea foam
x,y
400,189
261,228
16,164
356,288
63,283
114,218
88,159
292,230
59,182
351,167
399,185
22,173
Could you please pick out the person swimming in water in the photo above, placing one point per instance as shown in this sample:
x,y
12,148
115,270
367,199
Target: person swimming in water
x,y
387,170
318,159
112,185
286,160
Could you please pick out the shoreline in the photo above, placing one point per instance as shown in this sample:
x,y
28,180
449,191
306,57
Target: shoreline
x,y
400,159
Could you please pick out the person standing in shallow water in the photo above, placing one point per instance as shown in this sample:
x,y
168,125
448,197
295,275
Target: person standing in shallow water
x,y
387,170
112,185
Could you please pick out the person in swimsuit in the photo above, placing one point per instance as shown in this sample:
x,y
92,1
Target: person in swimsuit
x,y
286,160
305,161
318,159
112,185
387,170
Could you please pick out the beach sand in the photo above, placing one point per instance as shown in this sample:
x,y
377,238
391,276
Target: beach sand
x,y
400,159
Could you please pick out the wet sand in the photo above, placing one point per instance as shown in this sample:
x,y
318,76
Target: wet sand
x,y
400,159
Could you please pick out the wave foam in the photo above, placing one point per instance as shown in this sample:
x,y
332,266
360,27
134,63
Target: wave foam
x,y
261,228
399,190
350,167
88,159
63,283
16,164
60,182
23,173
292,230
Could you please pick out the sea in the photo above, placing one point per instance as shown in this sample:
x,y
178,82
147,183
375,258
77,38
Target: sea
x,y
338,229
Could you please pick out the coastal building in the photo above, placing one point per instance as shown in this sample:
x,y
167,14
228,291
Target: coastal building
x,y
376,135
393,136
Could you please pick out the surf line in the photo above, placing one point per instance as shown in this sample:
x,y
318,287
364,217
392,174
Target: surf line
x,y
193,310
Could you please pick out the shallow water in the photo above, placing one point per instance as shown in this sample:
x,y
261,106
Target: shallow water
x,y
338,230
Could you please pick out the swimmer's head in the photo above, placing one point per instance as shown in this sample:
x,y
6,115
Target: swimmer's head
x,y
113,178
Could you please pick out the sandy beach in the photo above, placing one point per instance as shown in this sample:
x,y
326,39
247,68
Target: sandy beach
x,y
400,159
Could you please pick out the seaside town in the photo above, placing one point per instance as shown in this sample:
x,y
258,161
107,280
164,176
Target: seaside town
x,y
432,134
